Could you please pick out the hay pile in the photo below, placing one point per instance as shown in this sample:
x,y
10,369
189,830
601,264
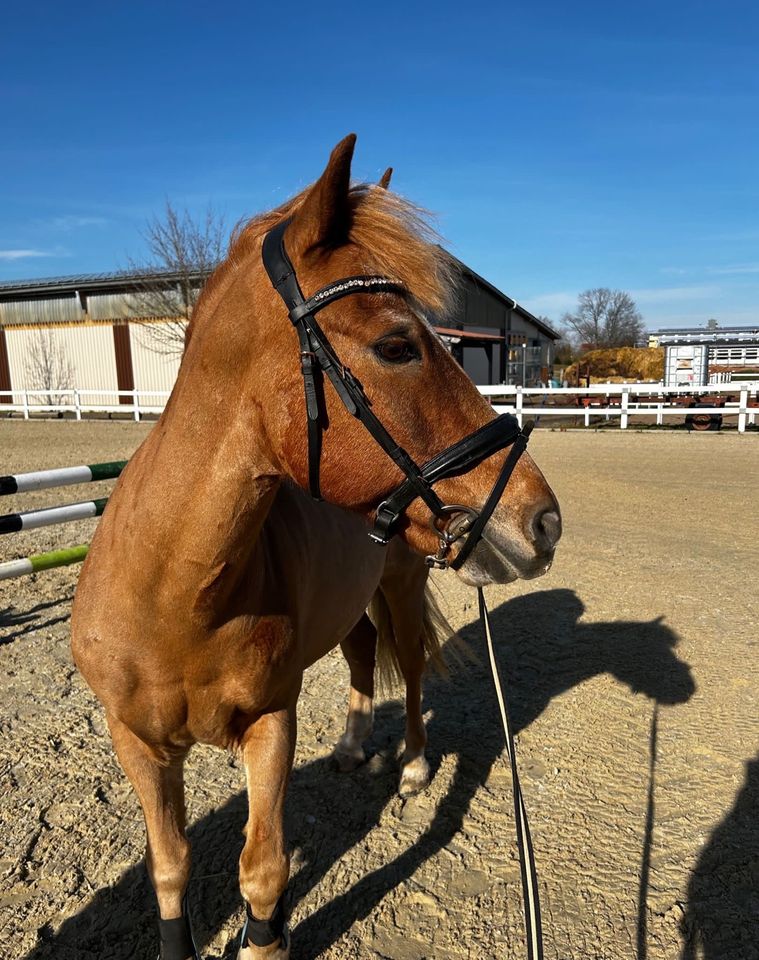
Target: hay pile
x,y
619,364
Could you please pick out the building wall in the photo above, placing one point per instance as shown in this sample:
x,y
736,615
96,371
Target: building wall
x,y
86,348
89,350
153,368
734,356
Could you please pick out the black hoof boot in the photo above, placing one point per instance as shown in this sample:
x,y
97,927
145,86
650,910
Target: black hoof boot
x,y
263,933
176,939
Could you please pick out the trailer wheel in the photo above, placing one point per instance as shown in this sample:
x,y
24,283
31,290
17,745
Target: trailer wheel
x,y
703,421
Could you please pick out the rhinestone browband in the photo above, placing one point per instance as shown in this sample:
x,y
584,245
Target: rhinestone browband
x,y
349,285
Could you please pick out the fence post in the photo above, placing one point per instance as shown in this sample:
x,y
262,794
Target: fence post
x,y
25,401
625,406
77,406
742,410
136,405
519,406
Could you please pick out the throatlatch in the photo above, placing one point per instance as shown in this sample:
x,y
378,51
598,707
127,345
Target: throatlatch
x,y
450,522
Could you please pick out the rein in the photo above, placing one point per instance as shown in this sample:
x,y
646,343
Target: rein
x,y
449,521
530,891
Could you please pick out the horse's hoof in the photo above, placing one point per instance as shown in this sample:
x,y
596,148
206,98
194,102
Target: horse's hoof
x,y
345,760
415,776
276,951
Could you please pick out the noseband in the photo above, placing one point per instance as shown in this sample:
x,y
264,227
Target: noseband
x,y
450,522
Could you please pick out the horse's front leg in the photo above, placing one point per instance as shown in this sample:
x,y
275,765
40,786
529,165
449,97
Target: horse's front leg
x,y
359,649
267,749
158,782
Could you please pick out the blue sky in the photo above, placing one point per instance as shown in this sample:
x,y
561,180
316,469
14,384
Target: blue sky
x,y
562,146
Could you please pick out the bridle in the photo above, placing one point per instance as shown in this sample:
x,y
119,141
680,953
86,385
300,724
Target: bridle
x,y
450,522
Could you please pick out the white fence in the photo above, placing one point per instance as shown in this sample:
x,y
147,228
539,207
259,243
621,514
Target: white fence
x,y
626,400
608,401
79,401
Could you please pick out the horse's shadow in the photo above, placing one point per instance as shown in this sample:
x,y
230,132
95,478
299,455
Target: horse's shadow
x,y
544,650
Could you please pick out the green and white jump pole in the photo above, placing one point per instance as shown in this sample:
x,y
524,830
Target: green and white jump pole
x,y
33,519
60,477
43,561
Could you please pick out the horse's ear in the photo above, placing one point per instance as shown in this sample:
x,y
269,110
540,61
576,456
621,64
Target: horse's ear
x,y
324,217
384,180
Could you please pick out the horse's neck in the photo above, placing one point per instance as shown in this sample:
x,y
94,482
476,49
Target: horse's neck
x,y
200,491
211,444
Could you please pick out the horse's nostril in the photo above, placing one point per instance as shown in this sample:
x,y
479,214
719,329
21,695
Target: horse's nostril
x,y
546,528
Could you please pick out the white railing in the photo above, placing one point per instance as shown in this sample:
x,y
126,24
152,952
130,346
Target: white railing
x,y
624,400
607,400
79,401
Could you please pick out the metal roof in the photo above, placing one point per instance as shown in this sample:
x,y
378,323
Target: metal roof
x,y
702,335
88,281
704,331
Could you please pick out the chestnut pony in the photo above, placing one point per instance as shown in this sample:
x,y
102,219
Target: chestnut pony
x,y
214,580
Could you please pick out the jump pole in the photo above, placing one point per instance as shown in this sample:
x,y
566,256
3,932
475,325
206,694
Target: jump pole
x,y
60,477
43,561
33,519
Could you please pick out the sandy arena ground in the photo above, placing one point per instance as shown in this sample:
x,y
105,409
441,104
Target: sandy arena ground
x,y
633,676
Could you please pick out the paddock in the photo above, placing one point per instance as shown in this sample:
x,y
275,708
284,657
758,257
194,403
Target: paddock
x,y
632,676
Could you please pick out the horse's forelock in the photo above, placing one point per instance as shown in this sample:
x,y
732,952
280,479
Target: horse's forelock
x,y
395,236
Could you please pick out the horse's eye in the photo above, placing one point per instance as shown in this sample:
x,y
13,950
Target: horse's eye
x,y
395,350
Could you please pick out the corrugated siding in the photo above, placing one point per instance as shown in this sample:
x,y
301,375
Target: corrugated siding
x,y
89,350
479,308
121,306
61,309
153,370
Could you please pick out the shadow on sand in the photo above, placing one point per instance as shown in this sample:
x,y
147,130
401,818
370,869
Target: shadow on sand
x,y
29,620
722,916
544,651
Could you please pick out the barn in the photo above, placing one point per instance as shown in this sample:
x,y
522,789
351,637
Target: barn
x,y
89,331
496,339
107,332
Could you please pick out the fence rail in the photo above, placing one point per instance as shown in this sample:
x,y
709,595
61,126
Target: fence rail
x,y
606,400
79,401
626,400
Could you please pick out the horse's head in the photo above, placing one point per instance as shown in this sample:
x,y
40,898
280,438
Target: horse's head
x,y
416,389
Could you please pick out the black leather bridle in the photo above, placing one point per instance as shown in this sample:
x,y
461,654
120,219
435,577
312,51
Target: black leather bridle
x,y
449,521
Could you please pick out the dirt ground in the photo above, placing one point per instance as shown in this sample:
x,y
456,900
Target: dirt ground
x,y
632,674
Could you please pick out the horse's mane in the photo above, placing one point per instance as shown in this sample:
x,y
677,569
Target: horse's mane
x,y
395,236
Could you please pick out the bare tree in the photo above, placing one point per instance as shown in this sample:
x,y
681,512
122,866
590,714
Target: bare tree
x,y
47,366
182,254
605,318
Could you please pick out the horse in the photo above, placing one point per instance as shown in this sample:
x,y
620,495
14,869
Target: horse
x,y
214,579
